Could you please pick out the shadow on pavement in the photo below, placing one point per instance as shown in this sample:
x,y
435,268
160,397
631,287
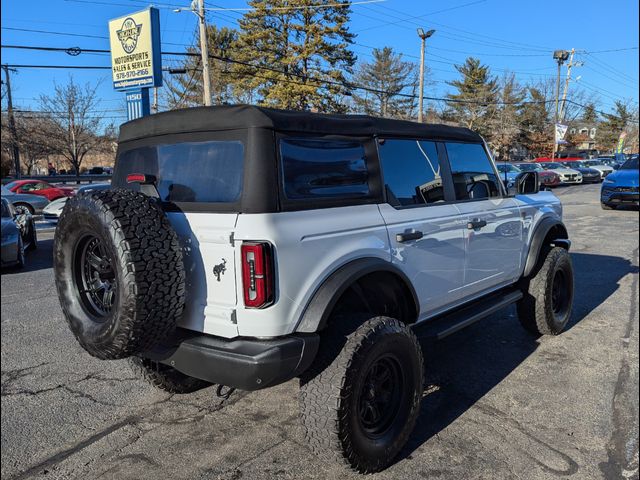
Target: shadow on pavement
x,y
38,259
462,368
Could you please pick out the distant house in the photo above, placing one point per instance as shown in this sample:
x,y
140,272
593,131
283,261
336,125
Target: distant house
x,y
582,136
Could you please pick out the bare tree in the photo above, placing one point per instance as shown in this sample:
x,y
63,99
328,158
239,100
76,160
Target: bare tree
x,y
73,121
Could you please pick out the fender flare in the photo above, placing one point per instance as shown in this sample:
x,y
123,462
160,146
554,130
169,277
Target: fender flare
x,y
537,241
316,314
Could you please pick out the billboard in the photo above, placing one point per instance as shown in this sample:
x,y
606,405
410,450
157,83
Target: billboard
x,y
135,50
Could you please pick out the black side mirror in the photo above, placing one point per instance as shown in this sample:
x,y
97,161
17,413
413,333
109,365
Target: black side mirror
x,y
527,183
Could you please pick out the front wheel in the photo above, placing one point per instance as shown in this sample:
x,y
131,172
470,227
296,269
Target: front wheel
x,y
607,207
360,400
546,306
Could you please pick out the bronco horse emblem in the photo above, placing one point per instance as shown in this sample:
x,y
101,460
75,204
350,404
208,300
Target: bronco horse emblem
x,y
219,269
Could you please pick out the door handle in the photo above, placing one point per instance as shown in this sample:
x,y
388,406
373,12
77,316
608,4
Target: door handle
x,y
405,237
476,223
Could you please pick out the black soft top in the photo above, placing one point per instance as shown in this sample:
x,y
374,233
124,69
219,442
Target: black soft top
x,y
234,117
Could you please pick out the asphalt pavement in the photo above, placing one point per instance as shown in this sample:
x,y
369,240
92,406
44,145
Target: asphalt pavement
x,y
499,404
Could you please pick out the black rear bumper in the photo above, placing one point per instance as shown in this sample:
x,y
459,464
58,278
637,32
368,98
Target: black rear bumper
x,y
243,363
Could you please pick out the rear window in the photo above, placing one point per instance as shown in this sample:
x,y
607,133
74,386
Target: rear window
x,y
323,169
188,172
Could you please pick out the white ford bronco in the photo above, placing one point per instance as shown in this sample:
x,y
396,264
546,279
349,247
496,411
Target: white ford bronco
x,y
245,246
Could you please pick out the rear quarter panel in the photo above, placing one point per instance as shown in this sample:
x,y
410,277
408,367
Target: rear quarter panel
x,y
309,246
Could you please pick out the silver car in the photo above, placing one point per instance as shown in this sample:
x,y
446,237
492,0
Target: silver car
x,y
18,234
33,203
597,164
54,209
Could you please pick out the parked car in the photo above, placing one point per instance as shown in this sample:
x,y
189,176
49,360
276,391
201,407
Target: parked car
x,y
246,246
18,234
621,187
100,171
547,178
38,187
589,175
33,203
567,175
597,164
510,171
52,211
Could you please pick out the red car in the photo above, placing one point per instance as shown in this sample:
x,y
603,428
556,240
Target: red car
x,y
38,187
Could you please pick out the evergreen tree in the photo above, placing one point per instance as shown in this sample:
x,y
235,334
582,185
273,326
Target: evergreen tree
x,y
390,76
589,114
185,90
299,50
474,103
613,125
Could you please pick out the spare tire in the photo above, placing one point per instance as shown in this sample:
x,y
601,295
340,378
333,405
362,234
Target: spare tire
x,y
119,272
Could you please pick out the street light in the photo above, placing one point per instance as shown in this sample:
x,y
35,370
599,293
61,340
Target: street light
x,y
423,36
197,7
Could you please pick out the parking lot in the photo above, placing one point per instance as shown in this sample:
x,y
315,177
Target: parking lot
x,y
499,403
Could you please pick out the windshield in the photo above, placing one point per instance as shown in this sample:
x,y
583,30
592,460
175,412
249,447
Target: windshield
x,y
507,168
529,167
552,165
630,164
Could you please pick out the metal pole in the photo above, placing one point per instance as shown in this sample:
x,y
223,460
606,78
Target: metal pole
x,y
555,144
12,124
421,93
154,107
204,49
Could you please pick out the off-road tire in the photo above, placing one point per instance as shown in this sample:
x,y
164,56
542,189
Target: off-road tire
x,y
143,253
165,377
606,206
536,309
331,392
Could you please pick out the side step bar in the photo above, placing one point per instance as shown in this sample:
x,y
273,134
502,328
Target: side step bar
x,y
440,327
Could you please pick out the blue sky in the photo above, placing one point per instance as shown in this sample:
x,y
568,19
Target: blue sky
x,y
517,36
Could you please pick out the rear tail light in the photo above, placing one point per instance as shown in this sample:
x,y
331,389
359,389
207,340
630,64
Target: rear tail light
x,y
257,274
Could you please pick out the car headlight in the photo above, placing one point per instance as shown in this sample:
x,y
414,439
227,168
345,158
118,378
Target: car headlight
x,y
609,181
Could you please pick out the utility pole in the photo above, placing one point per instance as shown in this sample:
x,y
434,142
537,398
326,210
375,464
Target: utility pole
x,y
12,122
154,105
560,56
204,49
423,38
563,104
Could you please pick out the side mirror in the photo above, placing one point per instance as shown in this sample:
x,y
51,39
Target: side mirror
x,y
527,183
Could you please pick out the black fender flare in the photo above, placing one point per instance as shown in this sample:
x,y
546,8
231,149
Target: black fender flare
x,y
537,241
316,314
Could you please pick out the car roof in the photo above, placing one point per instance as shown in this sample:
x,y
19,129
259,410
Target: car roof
x,y
235,117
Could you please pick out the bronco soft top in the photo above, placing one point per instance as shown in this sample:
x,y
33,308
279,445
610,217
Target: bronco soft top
x,y
234,117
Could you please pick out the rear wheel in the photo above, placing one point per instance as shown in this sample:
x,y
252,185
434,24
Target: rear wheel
x,y
25,207
360,400
546,306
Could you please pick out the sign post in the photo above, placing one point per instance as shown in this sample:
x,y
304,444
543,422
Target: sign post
x,y
136,61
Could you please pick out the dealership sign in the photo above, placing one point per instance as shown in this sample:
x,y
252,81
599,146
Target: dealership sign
x,y
135,50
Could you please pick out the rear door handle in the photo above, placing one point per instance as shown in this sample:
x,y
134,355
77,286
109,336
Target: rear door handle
x,y
405,237
476,223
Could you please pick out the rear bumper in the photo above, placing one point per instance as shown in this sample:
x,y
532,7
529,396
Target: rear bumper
x,y
246,364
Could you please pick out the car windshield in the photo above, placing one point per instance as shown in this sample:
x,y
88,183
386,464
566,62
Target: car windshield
x,y
552,165
529,167
507,168
6,212
630,164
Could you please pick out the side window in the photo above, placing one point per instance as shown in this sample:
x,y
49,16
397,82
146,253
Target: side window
x,y
41,186
411,172
315,168
28,187
472,171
